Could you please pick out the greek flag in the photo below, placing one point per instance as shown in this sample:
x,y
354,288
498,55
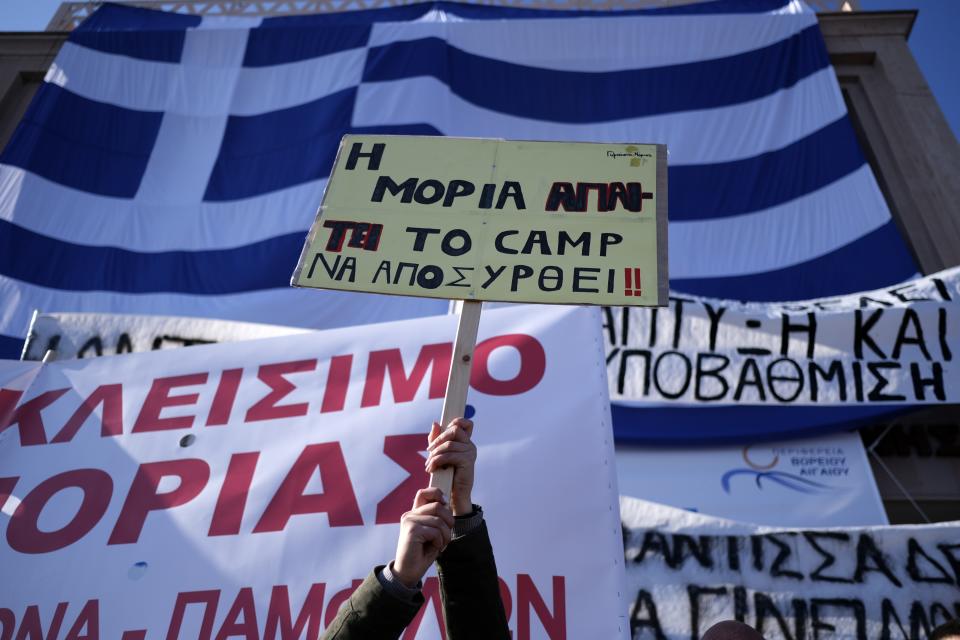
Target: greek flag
x,y
171,164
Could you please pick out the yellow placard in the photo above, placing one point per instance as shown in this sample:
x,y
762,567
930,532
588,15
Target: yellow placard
x,y
478,219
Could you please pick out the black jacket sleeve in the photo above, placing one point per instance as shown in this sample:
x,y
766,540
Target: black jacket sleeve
x,y
469,589
372,614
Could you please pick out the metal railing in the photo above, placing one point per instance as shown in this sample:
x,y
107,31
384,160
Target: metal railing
x,y
71,14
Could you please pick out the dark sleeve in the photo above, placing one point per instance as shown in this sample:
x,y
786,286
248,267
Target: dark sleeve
x,y
372,614
469,589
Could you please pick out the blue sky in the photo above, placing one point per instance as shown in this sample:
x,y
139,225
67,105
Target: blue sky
x,y
934,40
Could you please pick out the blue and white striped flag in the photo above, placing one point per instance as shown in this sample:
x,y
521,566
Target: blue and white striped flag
x,y
171,164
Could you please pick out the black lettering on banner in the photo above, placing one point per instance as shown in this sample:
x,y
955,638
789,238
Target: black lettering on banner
x,y
655,542
430,276
608,324
461,277
384,268
458,189
942,289
337,270
920,383
870,558
733,552
582,241
609,239
581,274
96,344
486,195
714,315
774,378
520,272
764,608
511,190
740,604
817,622
866,301
861,333
386,183
374,157
888,614
644,616
562,194
812,538
502,248
917,556
687,371
678,318
624,361
910,286
446,245
942,334
875,395
694,593
492,275
777,569
413,272
910,320
756,551
699,548
422,234
834,370
654,315
613,354
124,344
436,191
750,377
949,552
787,327
538,238
857,381
555,276
712,373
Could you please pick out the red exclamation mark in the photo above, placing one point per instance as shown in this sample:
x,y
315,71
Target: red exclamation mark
x,y
631,277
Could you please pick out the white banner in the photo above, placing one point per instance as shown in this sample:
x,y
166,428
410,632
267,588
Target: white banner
x,y
687,571
816,482
890,346
86,335
242,490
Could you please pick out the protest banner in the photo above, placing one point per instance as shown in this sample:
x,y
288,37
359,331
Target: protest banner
x,y
243,490
443,217
478,219
891,346
814,482
687,571
87,335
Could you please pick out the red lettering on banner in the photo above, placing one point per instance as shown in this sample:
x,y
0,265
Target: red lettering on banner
x,y
208,599
111,421
505,597
338,381
144,496
30,626
272,376
243,607
337,600
27,415
87,624
224,397
554,624
533,364
435,357
338,500
228,514
431,593
8,624
405,451
279,614
159,398
25,536
8,403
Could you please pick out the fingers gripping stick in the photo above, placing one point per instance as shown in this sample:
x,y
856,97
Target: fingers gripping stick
x,y
455,399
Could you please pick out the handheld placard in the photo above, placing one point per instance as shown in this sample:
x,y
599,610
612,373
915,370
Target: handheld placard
x,y
498,220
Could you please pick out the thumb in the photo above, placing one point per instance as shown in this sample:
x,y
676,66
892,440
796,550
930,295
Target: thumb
x,y
434,432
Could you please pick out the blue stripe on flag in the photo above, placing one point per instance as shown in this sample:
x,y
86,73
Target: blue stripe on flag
x,y
710,191
582,97
135,32
878,259
41,260
84,144
10,347
719,425
280,44
280,149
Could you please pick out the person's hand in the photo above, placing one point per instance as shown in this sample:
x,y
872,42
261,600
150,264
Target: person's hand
x,y
424,532
452,448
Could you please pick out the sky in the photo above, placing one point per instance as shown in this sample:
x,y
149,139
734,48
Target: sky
x,y
934,41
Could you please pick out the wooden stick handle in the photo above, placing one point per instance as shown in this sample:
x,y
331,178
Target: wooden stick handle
x,y
455,399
